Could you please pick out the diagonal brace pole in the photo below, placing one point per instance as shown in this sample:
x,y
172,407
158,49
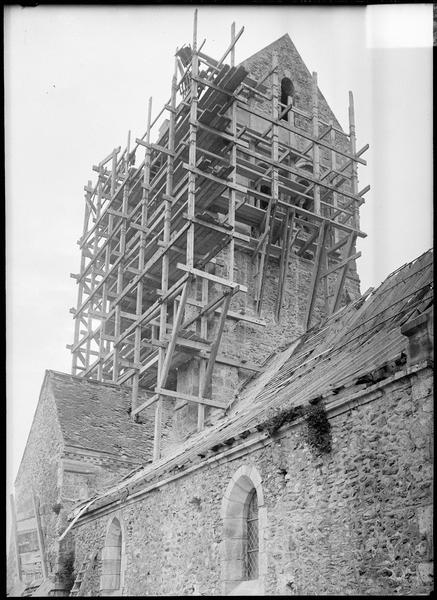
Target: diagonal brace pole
x,y
215,347
348,251
316,271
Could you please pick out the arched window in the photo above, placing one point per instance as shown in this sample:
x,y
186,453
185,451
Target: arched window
x,y
287,93
252,537
111,578
244,562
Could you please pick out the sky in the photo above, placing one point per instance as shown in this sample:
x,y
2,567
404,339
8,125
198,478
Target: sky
x,y
77,78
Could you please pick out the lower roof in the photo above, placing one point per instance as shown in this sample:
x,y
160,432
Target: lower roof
x,y
355,341
95,417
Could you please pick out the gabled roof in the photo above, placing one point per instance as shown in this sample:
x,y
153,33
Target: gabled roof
x,y
259,64
361,337
95,416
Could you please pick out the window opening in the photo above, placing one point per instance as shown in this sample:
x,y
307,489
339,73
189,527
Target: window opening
x,y
287,93
265,189
111,559
252,537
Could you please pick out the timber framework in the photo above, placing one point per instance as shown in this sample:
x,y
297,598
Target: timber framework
x,y
161,212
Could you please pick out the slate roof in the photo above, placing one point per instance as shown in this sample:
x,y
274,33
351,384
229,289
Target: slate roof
x,y
94,416
343,352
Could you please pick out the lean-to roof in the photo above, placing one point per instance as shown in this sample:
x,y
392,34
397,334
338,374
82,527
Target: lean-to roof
x,y
343,352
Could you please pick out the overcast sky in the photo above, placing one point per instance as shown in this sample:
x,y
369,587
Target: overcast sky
x,y
78,78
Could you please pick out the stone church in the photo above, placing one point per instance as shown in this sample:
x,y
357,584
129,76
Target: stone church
x,y
256,426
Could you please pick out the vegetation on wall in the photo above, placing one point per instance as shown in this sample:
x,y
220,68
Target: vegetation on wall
x,y
56,508
279,419
318,430
66,572
317,433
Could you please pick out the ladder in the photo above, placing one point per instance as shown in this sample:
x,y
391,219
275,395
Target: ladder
x,y
89,559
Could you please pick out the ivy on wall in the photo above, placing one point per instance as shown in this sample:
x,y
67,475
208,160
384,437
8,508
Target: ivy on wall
x,y
317,433
318,430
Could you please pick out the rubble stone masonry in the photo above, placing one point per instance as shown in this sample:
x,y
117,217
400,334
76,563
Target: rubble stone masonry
x,y
249,342
39,471
354,521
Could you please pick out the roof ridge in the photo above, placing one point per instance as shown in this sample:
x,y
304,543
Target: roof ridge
x,y
285,35
87,380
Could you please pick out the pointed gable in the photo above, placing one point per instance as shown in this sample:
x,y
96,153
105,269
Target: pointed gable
x,y
290,65
95,416
45,438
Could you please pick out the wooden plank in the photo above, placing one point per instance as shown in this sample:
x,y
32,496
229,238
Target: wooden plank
x,y
260,242
265,258
285,255
148,364
204,386
203,362
190,398
316,150
193,344
248,366
296,171
338,245
341,278
212,305
308,243
15,537
340,264
173,339
224,182
232,315
234,176
222,134
40,535
208,83
162,149
145,404
150,313
274,184
354,181
214,278
225,230
156,256
231,46
298,131
315,217
316,272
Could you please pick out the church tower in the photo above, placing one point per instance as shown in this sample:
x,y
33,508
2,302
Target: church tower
x,y
230,234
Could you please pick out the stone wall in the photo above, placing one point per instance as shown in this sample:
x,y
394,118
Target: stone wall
x,y
247,342
59,479
290,65
355,521
11,569
244,341
39,470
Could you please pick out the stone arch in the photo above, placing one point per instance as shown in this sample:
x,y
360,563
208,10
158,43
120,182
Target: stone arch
x,y
244,483
111,581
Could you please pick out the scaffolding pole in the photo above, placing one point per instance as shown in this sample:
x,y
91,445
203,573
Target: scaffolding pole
x,y
211,184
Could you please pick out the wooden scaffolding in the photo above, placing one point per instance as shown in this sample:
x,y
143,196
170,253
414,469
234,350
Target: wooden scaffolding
x,y
155,223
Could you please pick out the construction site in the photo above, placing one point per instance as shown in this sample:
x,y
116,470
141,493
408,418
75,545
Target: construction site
x,y
235,171
239,419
